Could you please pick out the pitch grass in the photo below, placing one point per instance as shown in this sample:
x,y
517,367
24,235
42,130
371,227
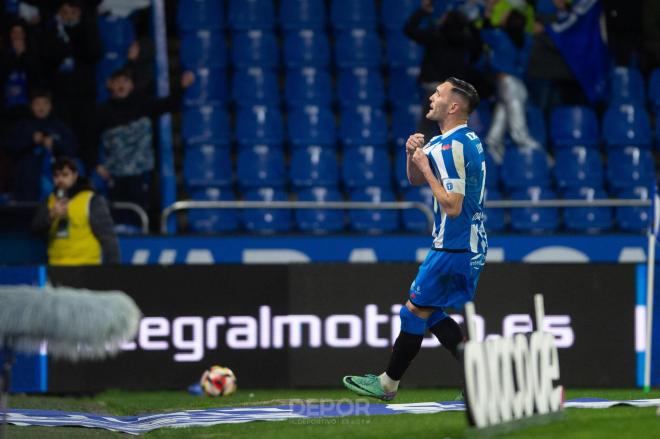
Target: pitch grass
x,y
617,422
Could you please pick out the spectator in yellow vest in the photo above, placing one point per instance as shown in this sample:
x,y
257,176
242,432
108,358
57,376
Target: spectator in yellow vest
x,y
77,221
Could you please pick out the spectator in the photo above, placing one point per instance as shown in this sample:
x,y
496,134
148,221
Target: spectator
x,y
19,69
124,132
510,50
450,45
33,143
77,221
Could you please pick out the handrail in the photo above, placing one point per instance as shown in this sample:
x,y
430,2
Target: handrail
x,y
603,202
334,205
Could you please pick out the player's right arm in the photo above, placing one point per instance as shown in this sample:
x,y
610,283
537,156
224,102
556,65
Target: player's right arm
x,y
415,176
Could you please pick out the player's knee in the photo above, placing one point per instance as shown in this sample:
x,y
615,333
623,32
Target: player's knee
x,y
411,323
448,332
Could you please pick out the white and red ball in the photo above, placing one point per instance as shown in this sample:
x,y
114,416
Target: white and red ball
x,y
218,381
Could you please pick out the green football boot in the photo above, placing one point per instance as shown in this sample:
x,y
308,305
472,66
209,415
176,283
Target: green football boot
x,y
367,385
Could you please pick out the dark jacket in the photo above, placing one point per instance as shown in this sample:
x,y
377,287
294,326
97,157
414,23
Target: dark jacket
x,y
100,221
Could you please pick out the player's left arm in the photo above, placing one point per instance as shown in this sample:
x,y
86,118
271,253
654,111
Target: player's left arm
x,y
450,202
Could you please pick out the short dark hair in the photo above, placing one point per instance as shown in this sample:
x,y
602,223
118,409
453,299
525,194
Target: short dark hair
x,y
122,71
64,162
466,90
40,93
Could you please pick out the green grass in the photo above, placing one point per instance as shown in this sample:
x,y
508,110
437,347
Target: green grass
x,y
618,422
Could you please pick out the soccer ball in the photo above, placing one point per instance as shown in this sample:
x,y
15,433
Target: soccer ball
x,y
218,381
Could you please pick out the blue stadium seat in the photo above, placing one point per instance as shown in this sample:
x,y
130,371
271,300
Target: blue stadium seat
x,y
625,124
633,219
493,218
413,219
200,14
627,86
110,62
267,220
203,48
360,85
320,220
574,125
629,167
260,165
587,219
403,88
349,14
206,124
116,33
534,219
492,172
654,89
363,125
306,47
207,165
255,48
210,87
394,13
404,123
366,166
400,174
357,48
259,125
308,86
314,166
535,125
251,14
402,51
578,166
373,221
311,125
302,14
480,119
525,167
255,86
212,220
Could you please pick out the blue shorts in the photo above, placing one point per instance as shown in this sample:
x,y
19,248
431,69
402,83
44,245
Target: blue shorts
x,y
446,279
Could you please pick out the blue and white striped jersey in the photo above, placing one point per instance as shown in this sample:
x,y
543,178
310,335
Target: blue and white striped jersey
x,y
458,161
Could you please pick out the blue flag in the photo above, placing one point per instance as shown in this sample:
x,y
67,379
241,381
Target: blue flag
x,y
578,38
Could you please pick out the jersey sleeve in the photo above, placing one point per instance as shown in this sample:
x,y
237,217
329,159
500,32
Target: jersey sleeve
x,y
455,164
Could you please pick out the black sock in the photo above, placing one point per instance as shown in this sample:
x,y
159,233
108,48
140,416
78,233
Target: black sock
x,y
405,349
449,334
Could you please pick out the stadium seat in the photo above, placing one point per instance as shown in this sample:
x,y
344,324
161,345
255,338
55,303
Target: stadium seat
x,y
306,47
633,219
320,220
260,165
414,220
394,13
360,85
654,89
203,48
210,87
587,219
574,125
525,167
492,172
404,123
110,62
116,33
630,167
255,86
402,51
403,88
494,220
206,165
400,173
626,125
267,220
302,14
363,125
308,86
357,48
349,14
534,219
311,125
206,124
535,126
251,14
314,166
259,125
373,221
578,166
255,48
200,14
627,86
212,220
480,119
366,166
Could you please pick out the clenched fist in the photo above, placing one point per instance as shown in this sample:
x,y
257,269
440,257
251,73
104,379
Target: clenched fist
x,y
414,142
421,161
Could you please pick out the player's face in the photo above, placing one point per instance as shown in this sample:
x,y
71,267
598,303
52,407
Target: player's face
x,y
439,105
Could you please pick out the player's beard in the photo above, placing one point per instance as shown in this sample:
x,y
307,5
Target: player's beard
x,y
437,112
